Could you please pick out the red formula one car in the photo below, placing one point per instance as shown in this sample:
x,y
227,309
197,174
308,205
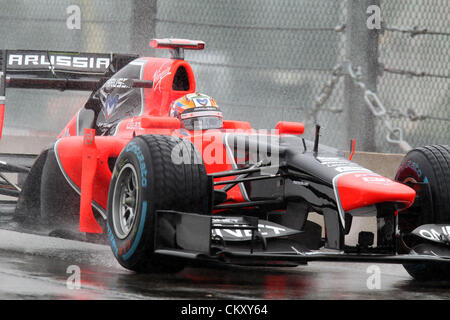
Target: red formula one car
x,y
165,193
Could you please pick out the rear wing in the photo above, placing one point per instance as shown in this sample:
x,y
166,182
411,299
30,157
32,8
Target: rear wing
x,y
62,70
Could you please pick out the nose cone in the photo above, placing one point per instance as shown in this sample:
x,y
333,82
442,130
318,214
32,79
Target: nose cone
x,y
356,190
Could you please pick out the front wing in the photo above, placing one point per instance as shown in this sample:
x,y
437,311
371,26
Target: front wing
x,y
195,244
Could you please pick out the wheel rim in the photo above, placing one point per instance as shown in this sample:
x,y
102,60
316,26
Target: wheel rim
x,y
125,201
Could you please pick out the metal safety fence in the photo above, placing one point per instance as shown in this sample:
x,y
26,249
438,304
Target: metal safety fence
x,y
265,61
414,58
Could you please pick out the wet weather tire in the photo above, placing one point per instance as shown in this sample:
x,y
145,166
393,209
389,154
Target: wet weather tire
x,y
427,164
146,179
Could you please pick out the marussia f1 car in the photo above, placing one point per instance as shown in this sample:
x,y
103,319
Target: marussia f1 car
x,y
164,196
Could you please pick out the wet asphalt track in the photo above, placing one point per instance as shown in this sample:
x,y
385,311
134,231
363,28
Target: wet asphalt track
x,y
35,267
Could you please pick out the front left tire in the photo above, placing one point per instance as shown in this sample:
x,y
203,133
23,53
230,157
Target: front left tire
x,y
146,179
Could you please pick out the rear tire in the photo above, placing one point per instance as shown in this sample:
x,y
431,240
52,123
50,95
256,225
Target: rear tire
x,y
146,179
427,164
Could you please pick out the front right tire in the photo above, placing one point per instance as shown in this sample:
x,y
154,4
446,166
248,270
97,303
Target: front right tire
x,y
430,165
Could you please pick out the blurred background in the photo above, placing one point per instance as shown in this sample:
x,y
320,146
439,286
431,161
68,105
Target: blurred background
x,y
265,61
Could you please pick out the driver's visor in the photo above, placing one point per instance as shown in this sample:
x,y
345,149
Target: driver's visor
x,y
195,114
203,123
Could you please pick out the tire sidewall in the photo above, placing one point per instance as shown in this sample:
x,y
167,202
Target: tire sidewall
x,y
135,245
415,165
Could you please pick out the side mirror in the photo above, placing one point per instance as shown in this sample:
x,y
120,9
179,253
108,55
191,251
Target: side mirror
x,y
287,127
149,122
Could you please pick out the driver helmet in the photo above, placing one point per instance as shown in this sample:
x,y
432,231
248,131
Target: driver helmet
x,y
197,111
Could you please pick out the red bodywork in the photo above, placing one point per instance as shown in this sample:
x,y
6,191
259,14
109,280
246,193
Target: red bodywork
x,y
357,190
84,159
85,165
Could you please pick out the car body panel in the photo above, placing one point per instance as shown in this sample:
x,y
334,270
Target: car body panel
x,y
295,176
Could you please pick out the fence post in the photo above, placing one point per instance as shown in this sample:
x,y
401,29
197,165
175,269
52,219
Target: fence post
x,y
361,49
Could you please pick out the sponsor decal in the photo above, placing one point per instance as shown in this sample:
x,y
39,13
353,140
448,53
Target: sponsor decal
x,y
373,178
350,169
435,232
202,102
23,61
134,124
110,105
159,75
266,229
132,147
341,165
377,180
300,183
123,83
